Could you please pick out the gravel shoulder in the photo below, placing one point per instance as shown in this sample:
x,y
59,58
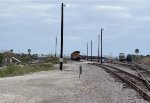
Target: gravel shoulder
x,y
55,86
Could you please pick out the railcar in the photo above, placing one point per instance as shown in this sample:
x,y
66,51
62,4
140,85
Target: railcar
x,y
75,55
121,57
129,58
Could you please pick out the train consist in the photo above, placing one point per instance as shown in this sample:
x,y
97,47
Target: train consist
x,y
75,55
122,57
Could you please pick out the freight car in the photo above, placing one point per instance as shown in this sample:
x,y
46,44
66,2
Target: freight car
x,y
129,58
75,55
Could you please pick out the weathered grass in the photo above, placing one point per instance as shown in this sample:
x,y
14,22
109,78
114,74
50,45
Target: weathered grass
x,y
145,60
55,60
15,70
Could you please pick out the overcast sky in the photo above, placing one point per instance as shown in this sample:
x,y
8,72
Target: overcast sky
x,y
34,24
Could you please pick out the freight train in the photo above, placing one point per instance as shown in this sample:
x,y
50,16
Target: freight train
x,y
122,57
75,55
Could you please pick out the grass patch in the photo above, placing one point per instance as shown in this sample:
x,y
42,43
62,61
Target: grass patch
x,y
55,60
15,70
146,60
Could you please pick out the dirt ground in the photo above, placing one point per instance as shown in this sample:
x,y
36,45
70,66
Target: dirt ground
x,y
55,86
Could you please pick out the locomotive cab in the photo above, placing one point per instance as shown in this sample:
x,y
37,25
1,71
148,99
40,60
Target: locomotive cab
x,y
75,55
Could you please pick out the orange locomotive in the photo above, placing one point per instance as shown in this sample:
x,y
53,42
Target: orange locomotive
x,y
75,55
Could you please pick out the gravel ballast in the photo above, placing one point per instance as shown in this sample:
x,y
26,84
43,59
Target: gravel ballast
x,y
94,86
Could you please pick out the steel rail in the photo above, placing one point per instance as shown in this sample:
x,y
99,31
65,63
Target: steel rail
x,y
137,84
147,83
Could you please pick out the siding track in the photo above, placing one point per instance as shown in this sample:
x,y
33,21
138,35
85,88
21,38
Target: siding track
x,y
137,79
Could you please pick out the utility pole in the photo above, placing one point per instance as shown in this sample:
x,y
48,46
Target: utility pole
x,y
87,51
56,47
101,44
98,46
62,22
91,50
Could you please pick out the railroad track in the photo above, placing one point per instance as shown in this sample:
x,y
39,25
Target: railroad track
x,y
137,81
141,71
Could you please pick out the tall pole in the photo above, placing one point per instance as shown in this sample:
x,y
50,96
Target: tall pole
x,y
56,47
91,50
101,44
87,51
98,46
61,51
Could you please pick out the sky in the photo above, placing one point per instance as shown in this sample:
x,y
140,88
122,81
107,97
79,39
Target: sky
x,y
34,24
